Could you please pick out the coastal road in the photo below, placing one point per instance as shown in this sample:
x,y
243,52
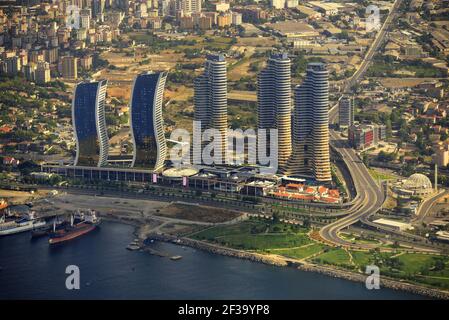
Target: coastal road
x,y
370,196
427,205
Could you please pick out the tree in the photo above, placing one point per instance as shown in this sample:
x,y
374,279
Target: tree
x,y
28,166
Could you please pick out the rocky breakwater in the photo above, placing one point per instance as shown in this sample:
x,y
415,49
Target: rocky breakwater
x,y
216,249
384,282
280,261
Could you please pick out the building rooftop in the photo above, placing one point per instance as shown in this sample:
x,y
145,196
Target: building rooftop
x,y
393,223
219,57
417,181
293,28
180,172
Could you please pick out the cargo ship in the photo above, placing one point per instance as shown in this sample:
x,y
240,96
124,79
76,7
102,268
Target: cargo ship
x,y
80,224
43,231
20,225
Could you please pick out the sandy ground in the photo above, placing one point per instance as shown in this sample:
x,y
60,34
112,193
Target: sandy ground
x,y
149,216
104,205
403,83
243,95
20,197
198,213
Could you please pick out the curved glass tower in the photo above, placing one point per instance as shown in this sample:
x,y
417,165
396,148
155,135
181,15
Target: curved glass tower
x,y
274,103
147,123
311,125
89,124
211,98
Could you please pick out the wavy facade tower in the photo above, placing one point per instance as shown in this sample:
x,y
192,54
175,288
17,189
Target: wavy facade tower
x,y
89,123
274,103
311,126
147,123
211,98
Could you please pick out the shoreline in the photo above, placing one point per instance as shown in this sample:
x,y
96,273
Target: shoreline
x,y
274,260
285,262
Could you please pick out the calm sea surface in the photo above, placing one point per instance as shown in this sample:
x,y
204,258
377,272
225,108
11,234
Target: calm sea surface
x,y
31,269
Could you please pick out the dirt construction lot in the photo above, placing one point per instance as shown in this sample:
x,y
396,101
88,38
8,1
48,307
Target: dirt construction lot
x,y
198,213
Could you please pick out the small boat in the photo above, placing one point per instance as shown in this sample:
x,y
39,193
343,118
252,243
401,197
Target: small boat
x,y
133,247
40,232
21,225
176,257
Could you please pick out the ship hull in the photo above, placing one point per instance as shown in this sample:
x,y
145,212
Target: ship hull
x,y
73,234
23,228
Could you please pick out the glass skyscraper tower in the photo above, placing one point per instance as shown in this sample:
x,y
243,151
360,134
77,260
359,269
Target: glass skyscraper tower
x,y
311,125
89,123
211,98
274,103
147,123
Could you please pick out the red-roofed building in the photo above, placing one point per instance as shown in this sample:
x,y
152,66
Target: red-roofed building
x,y
334,193
310,190
5,129
322,190
295,186
10,161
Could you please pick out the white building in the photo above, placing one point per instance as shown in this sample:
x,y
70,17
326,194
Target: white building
x,y
85,19
221,6
277,4
401,226
236,18
42,73
188,6
291,3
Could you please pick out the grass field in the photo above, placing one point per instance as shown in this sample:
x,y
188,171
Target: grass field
x,y
415,267
419,268
256,235
293,242
337,257
357,239
300,252
377,175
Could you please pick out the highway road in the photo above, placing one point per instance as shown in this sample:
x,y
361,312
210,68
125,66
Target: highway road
x,y
373,48
427,204
370,196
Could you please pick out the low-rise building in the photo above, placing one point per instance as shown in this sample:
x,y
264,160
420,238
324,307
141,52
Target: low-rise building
x,y
43,73
397,225
363,136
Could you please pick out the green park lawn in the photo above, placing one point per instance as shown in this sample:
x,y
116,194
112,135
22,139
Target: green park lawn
x,y
300,252
256,235
377,175
334,256
293,242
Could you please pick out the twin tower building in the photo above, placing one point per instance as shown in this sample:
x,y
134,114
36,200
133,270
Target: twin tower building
x,y
303,130
147,127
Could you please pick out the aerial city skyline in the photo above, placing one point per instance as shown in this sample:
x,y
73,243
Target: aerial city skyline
x,y
310,121
180,149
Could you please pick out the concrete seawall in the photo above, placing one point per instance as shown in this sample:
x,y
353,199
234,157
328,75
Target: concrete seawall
x,y
283,262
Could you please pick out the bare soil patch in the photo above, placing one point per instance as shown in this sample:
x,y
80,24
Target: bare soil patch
x,y
198,213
